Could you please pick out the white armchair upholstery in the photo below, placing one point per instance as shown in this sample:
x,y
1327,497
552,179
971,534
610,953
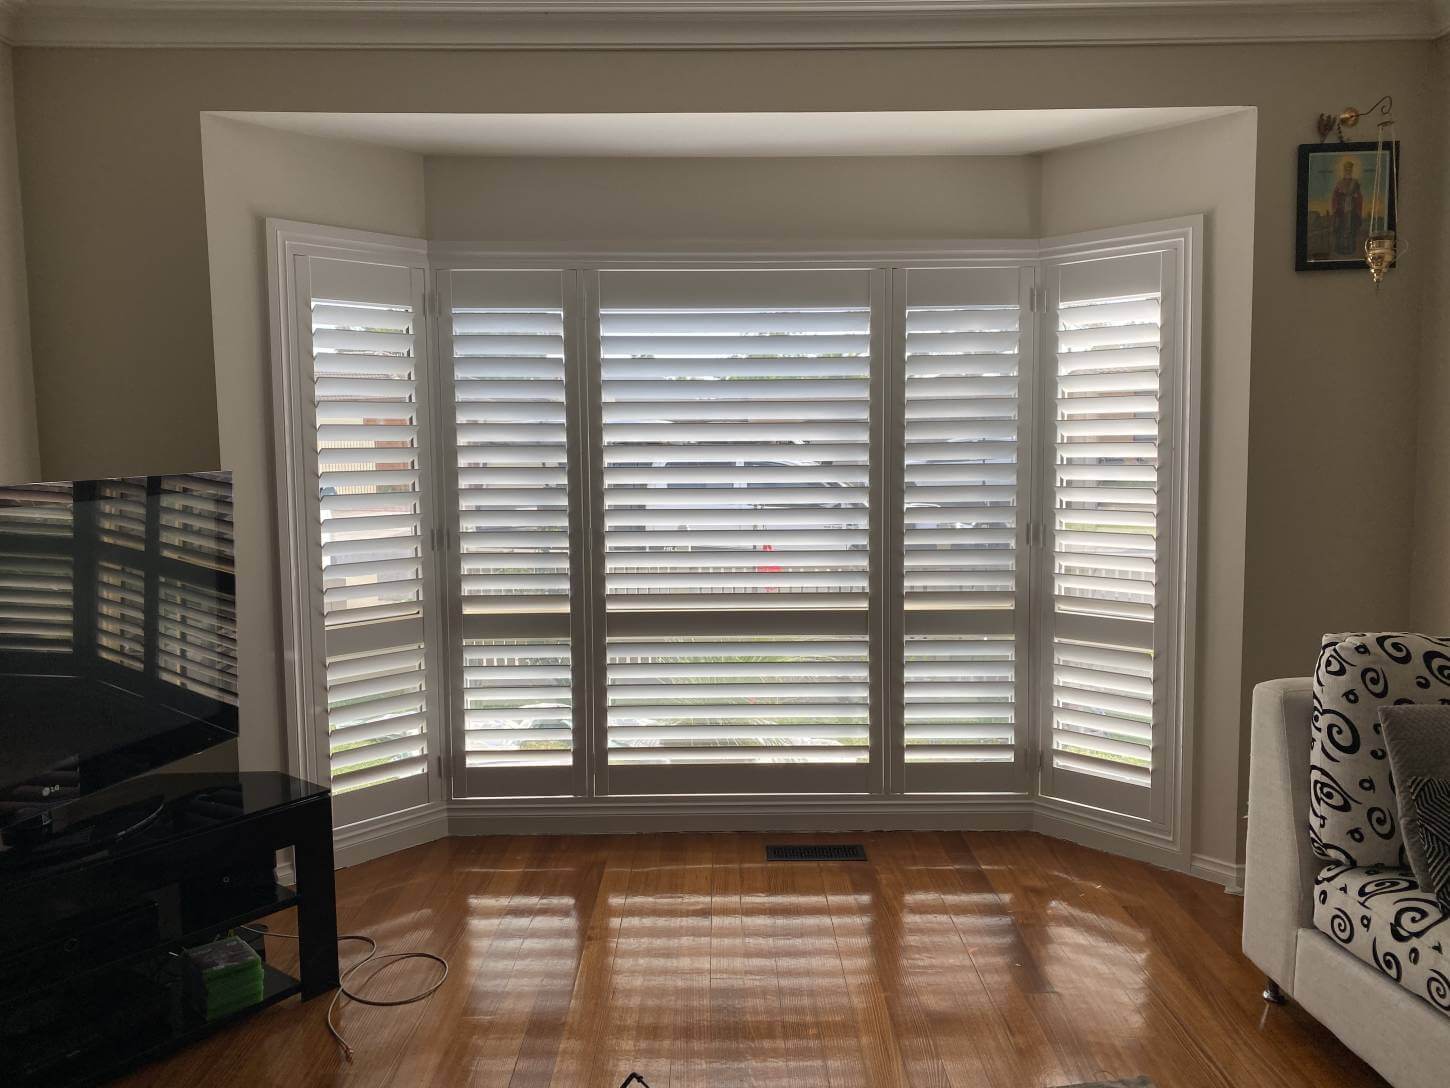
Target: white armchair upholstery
x,y
1279,868
1401,1035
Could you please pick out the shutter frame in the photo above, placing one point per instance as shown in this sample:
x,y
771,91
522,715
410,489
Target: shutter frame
x,y
293,250
471,296
816,295
586,618
966,292
1159,808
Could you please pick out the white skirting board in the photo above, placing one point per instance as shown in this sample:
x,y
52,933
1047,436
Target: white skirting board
x,y
364,842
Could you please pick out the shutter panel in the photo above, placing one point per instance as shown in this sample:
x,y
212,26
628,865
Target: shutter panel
x,y
736,412
735,431
37,579
366,409
1111,318
518,703
508,398
733,700
513,367
962,346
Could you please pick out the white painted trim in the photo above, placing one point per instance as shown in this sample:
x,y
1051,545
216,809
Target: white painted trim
x,y
607,816
721,24
1439,18
1167,844
301,601
1170,825
1219,871
1080,828
370,839
304,640
616,816
749,253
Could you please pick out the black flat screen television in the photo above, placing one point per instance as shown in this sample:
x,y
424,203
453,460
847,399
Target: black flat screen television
x,y
118,636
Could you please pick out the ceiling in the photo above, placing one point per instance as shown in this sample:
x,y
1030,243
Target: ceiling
x,y
655,135
636,24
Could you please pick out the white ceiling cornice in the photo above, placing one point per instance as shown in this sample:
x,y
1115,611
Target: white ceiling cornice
x,y
1440,17
664,24
8,10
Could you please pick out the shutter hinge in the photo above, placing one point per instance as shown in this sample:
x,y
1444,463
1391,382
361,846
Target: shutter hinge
x,y
439,761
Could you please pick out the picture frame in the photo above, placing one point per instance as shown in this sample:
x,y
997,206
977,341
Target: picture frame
x,y
1332,209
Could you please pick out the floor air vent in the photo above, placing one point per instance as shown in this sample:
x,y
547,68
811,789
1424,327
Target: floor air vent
x,y
817,852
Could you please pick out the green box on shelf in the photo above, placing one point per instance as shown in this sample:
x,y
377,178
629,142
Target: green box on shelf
x,y
223,977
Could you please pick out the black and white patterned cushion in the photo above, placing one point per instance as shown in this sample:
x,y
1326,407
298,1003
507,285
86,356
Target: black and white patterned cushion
x,y
1382,916
1352,806
1431,800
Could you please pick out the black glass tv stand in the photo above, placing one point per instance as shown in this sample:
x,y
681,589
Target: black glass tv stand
x,y
96,909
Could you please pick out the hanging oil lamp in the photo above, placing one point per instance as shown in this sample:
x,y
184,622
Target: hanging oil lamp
x,y
1382,243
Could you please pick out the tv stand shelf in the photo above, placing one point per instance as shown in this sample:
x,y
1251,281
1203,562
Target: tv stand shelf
x,y
92,926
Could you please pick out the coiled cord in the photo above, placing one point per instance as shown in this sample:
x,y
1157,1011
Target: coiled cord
x,y
382,961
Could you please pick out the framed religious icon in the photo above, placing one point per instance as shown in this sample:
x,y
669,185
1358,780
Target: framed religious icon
x,y
1337,193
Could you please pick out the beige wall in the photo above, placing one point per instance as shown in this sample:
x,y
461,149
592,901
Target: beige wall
x,y
1182,171
666,200
253,173
1431,570
122,337
19,450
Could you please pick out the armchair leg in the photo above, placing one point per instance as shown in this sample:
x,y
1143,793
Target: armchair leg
x,y
1272,994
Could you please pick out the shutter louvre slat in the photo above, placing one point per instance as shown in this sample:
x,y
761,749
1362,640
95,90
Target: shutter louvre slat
x,y
370,487
1104,548
509,391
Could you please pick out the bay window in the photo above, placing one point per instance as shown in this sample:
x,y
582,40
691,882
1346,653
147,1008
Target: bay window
x,y
766,528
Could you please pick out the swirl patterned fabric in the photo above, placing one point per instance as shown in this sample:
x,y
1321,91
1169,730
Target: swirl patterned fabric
x,y
1383,917
1353,814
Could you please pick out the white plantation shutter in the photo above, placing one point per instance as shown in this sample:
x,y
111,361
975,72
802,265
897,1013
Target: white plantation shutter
x,y
735,410
738,700
518,702
1113,542
736,526
512,366
963,588
37,582
360,402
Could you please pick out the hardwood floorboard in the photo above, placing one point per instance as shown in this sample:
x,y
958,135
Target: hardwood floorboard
x,y
947,960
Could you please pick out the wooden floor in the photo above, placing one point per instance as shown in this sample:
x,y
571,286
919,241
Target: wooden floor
x,y
994,960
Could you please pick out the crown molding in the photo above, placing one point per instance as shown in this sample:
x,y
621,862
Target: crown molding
x,y
715,24
1439,18
9,10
